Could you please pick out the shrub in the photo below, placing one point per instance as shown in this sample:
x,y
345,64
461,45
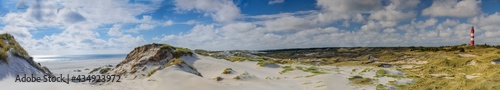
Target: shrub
x,y
219,78
237,78
227,71
360,80
105,70
263,63
380,87
380,72
244,76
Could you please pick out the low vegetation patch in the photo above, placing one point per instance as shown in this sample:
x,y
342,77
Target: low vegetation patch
x,y
244,76
383,73
365,70
264,63
177,51
360,80
380,87
227,71
380,72
152,72
95,69
175,61
286,69
180,51
104,70
237,58
314,70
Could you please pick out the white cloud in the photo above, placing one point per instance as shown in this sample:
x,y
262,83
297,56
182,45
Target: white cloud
x,y
427,23
487,20
79,21
290,23
145,27
192,22
275,1
380,26
219,10
453,8
115,30
168,23
334,10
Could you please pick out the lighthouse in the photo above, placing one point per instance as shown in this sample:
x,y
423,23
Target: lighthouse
x,y
472,36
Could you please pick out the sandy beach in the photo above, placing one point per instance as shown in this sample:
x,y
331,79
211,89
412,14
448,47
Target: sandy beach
x,y
171,78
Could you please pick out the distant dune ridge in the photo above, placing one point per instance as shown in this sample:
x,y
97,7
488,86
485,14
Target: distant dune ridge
x,y
14,60
145,60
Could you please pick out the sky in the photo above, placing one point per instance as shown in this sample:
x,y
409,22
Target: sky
x,y
64,27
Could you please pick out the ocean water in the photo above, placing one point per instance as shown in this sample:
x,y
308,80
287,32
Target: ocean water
x,y
52,58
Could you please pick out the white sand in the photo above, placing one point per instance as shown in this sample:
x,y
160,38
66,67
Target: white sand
x,y
172,78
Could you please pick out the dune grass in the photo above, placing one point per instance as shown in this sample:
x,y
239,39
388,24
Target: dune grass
x,y
286,69
455,67
227,71
151,72
359,80
175,61
177,51
7,42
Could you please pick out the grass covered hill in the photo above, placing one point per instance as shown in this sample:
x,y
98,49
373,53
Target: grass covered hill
x,y
459,67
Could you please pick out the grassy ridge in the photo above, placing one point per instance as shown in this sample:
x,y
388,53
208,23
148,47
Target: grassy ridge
x,y
8,42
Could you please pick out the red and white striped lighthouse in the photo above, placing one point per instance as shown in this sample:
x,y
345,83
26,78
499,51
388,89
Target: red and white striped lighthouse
x,y
472,36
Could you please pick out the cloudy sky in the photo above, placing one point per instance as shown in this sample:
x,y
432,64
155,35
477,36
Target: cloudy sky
x,y
117,26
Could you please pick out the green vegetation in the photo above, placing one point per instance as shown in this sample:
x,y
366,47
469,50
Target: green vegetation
x,y
380,87
360,80
264,63
7,42
243,76
299,67
202,52
101,70
314,70
237,78
104,70
177,51
237,58
175,61
286,69
320,86
380,72
365,70
152,72
95,69
227,71
427,61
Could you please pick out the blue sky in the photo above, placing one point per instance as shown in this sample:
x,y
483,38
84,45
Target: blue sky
x,y
117,26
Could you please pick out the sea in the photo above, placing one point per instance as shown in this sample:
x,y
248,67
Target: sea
x,y
77,64
52,58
